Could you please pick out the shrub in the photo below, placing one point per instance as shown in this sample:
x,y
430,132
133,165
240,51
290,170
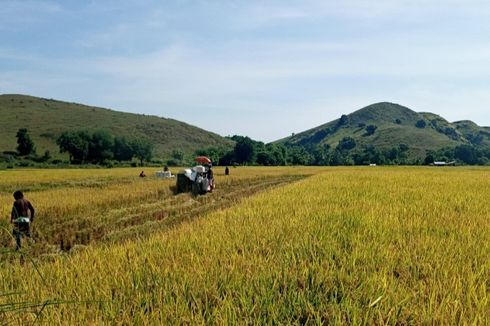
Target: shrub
x,y
370,130
420,124
343,120
347,143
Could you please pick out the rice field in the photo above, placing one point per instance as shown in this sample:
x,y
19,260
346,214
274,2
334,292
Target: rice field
x,y
297,245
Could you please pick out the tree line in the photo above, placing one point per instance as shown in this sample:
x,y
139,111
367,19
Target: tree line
x,y
347,152
84,146
466,153
100,147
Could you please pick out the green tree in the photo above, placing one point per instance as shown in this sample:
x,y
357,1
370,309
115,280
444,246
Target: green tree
x,y
429,158
370,130
343,120
421,124
337,157
76,144
466,153
346,144
142,149
475,139
122,149
320,154
101,146
25,145
392,154
46,156
278,153
178,155
265,158
227,158
299,156
403,147
244,150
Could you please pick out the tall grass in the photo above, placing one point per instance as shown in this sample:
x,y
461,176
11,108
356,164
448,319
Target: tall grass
x,y
346,246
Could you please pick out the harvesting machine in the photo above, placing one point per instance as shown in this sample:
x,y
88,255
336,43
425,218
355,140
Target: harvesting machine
x,y
196,179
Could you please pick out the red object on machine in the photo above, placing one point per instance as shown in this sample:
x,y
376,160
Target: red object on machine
x,y
202,160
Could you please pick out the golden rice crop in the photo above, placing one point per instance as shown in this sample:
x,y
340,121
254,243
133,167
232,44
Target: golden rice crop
x,y
344,246
73,210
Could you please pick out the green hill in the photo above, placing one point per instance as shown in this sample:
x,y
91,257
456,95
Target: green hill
x,y
46,119
395,124
477,135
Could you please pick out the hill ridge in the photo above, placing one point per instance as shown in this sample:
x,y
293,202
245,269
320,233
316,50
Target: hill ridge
x,y
46,119
393,124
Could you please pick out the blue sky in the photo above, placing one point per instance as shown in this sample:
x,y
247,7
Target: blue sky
x,y
264,69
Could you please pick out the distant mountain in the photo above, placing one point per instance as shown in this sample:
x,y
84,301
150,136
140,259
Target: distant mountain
x,y
46,119
386,125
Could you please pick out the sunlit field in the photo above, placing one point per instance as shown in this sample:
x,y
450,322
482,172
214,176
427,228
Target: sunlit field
x,y
346,245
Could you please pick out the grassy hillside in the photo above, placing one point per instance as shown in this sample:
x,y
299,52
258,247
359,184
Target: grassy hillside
x,y
474,133
396,125
46,119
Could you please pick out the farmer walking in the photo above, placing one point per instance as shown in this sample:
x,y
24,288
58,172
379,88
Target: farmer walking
x,y
20,217
210,176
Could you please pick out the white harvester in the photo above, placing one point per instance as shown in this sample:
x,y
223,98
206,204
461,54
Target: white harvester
x,y
196,179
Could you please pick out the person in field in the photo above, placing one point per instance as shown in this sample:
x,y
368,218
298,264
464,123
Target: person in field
x,y
142,174
227,171
210,176
21,217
